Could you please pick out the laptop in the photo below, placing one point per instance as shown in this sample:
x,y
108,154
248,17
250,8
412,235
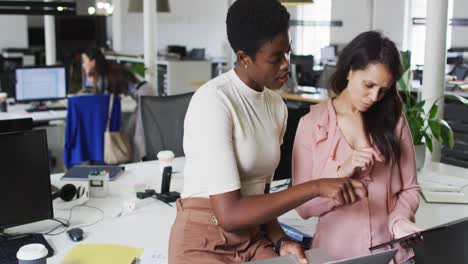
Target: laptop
x,y
318,256
81,172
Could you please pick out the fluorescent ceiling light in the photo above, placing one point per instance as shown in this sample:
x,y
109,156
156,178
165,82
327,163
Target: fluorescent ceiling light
x,y
296,2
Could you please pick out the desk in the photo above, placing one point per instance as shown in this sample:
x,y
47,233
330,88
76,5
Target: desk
x,y
431,214
19,111
313,98
149,226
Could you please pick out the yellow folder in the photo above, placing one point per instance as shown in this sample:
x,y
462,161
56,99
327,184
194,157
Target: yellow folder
x,y
102,254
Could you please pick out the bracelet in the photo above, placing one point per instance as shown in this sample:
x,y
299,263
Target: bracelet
x,y
280,242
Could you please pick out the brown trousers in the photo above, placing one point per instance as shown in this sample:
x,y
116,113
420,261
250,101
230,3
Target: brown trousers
x,y
197,238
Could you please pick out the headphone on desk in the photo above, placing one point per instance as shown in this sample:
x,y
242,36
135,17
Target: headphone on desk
x,y
70,196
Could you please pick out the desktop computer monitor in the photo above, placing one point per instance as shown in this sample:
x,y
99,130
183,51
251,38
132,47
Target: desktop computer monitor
x,y
38,84
328,54
25,189
304,69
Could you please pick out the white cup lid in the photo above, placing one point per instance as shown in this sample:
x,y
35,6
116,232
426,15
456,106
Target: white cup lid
x,y
3,95
32,252
165,154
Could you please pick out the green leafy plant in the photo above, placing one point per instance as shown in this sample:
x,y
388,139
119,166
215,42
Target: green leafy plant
x,y
138,69
424,125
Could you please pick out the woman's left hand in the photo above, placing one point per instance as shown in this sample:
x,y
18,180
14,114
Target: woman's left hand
x,y
290,247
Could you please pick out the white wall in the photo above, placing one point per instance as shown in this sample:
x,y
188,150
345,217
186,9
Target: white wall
x,y
195,24
13,31
389,18
460,34
35,21
356,16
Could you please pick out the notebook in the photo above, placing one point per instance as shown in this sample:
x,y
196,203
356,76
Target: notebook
x,y
81,172
444,197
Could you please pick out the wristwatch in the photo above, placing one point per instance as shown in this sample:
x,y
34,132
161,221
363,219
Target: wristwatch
x,y
280,242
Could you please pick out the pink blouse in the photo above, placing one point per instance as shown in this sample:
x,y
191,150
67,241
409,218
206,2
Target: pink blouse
x,y
349,231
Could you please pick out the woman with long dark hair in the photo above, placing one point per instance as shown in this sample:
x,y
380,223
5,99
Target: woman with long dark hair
x,y
112,78
361,133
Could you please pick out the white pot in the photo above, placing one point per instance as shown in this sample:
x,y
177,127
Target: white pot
x,y
420,155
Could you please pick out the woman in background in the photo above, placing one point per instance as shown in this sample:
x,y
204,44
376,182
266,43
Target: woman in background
x,y
117,79
361,133
111,77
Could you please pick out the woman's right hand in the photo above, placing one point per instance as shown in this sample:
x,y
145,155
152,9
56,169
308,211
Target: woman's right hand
x,y
360,159
343,190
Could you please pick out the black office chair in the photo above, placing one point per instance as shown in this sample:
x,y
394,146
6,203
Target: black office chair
x,y
461,71
283,171
16,125
163,123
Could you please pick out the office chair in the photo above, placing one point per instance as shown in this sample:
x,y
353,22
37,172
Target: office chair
x,y
85,126
283,171
327,72
163,123
461,71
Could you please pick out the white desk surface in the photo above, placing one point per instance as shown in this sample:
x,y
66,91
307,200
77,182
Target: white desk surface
x,y
19,111
149,225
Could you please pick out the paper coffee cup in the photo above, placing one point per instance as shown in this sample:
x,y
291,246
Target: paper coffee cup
x,y
165,157
32,254
3,102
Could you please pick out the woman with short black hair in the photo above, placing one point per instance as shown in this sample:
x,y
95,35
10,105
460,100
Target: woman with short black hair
x,y
233,130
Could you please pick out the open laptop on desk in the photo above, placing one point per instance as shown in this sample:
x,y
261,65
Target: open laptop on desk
x,y
444,197
443,189
81,172
318,256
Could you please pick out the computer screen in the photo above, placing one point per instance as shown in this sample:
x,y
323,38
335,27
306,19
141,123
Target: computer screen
x,y
25,190
41,83
304,69
328,54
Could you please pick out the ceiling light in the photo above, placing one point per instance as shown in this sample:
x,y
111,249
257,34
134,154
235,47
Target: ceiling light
x,y
296,2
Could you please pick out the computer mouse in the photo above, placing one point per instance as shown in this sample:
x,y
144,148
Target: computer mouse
x,y
75,234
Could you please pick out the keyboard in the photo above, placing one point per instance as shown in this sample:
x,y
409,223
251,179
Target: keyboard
x,y
10,246
48,108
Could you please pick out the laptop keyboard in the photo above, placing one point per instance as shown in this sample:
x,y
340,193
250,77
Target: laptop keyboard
x,y
10,246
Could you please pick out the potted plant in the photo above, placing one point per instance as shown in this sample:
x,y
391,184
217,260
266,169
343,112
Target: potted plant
x,y
424,126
